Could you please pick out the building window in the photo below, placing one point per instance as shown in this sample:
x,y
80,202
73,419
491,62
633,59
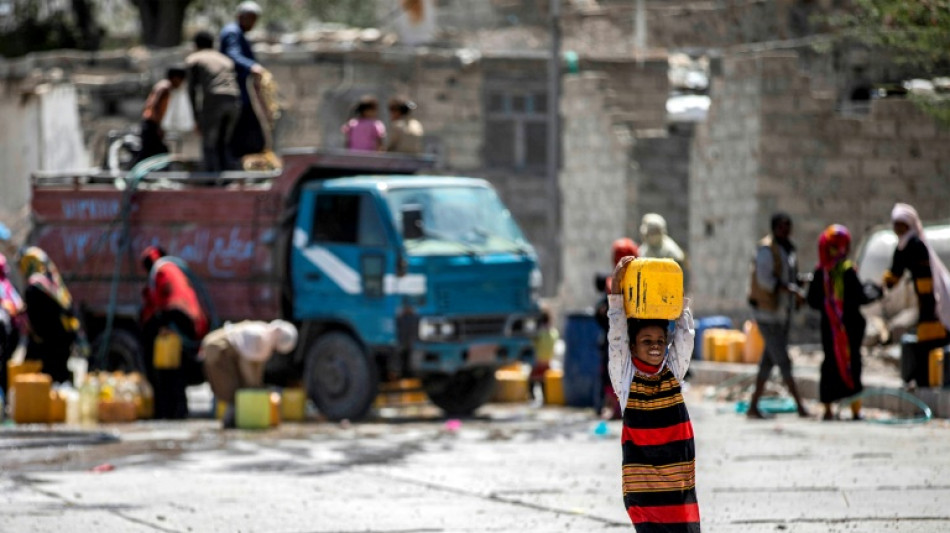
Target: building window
x,y
516,128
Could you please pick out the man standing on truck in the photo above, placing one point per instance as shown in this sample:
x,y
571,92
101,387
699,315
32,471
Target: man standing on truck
x,y
152,135
171,305
215,99
248,138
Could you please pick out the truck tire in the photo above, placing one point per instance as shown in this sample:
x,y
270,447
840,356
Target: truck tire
x,y
463,392
341,379
124,353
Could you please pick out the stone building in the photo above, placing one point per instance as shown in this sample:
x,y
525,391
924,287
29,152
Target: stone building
x,y
772,142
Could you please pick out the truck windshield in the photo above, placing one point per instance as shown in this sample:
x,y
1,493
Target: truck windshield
x,y
454,219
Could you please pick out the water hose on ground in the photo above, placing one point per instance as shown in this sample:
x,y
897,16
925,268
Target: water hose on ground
x,y
785,404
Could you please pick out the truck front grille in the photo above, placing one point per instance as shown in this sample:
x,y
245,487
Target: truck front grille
x,y
481,326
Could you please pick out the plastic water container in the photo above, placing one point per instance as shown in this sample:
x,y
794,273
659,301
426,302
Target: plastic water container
x,y
71,396
27,366
252,409
274,409
754,342
736,346
653,288
293,404
706,323
553,387
167,351
511,386
29,398
709,339
936,362
57,406
89,400
582,387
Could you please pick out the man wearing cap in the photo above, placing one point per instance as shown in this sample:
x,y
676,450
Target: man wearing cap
x,y
248,137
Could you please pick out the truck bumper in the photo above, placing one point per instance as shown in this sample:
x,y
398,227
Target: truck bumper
x,y
433,357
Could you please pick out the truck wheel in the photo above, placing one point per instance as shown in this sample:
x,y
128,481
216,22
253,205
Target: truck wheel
x,y
124,353
463,392
341,380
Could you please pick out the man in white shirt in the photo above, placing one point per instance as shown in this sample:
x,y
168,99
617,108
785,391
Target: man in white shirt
x,y
234,357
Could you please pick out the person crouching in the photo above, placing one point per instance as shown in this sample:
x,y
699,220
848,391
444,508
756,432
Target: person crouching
x,y
234,357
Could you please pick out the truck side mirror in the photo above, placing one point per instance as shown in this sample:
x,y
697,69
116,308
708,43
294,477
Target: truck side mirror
x,y
412,221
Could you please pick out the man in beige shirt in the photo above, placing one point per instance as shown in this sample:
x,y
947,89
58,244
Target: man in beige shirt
x,y
405,133
215,99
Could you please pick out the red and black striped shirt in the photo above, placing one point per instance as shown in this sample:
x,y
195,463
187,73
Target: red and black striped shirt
x,y
659,457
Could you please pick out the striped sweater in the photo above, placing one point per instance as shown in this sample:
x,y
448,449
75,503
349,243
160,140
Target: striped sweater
x,y
659,458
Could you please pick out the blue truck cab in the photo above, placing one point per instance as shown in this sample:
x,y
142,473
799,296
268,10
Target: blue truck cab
x,y
409,276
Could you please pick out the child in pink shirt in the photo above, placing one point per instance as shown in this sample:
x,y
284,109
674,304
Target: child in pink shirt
x,y
365,132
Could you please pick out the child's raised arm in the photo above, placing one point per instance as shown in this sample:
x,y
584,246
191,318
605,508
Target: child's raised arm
x,y
681,350
620,363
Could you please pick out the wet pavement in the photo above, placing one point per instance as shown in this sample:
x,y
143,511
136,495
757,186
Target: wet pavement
x,y
513,468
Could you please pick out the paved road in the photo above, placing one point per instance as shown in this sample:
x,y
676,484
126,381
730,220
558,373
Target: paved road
x,y
513,469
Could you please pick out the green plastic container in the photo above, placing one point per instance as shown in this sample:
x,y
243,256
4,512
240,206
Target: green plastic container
x,y
252,409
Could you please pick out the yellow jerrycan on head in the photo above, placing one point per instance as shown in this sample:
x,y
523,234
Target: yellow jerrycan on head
x,y
653,288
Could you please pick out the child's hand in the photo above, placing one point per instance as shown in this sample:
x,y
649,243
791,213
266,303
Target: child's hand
x,y
619,271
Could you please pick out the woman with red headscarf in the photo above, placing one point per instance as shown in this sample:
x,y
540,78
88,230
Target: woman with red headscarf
x,y
838,294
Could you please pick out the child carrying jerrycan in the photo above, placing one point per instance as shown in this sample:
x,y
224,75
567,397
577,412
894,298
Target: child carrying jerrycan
x,y
650,345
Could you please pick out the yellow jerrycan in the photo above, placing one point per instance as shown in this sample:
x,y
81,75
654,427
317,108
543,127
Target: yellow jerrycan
x,y
167,351
653,288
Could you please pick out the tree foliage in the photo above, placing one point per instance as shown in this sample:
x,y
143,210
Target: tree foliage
x,y
38,26
915,32
162,21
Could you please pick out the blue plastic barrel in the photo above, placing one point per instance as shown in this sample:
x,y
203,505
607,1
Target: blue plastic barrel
x,y
702,324
582,387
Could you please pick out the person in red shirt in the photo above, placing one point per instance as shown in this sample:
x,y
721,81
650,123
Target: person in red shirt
x,y
171,304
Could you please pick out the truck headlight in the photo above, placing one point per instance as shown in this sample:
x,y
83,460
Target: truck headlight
x,y
427,329
529,326
447,329
535,280
435,329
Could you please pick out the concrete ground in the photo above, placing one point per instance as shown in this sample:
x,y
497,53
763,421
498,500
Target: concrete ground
x,y
513,468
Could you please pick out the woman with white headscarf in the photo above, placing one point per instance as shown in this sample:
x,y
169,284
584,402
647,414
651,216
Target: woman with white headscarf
x,y
234,357
931,279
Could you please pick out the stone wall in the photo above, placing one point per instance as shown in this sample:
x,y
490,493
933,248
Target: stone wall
x,y
596,166
661,177
41,133
638,89
772,143
723,177
609,28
